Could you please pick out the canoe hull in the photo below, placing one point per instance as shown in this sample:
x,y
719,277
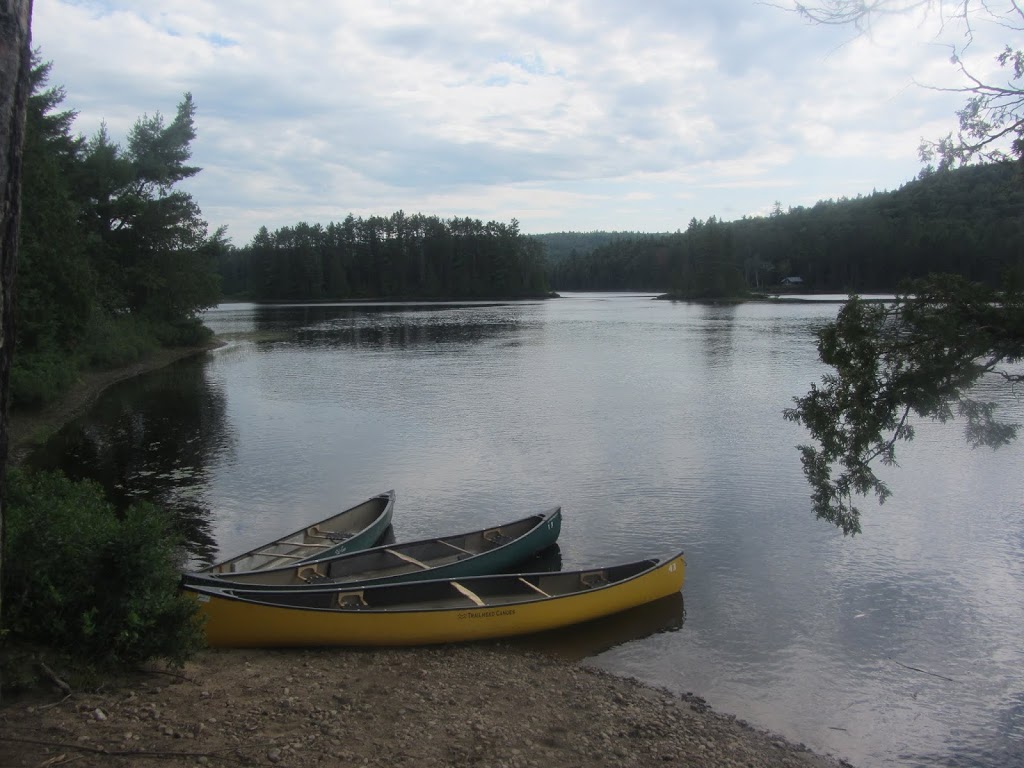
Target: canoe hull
x,y
241,623
362,526
359,570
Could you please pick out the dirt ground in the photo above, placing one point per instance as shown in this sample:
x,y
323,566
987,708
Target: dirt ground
x,y
486,705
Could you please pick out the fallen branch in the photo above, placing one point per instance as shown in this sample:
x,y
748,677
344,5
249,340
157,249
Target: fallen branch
x,y
53,703
186,678
53,677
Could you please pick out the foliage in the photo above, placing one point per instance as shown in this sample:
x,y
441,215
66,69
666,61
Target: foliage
x,y
80,578
917,356
114,260
40,376
395,256
964,222
55,278
559,246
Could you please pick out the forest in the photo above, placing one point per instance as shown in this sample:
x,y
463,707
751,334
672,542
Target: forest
x,y
966,221
396,256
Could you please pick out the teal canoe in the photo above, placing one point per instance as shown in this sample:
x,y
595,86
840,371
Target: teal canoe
x,y
354,529
485,551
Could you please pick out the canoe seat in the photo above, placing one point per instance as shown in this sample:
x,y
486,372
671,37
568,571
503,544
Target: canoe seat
x,y
496,536
311,574
593,579
352,600
316,533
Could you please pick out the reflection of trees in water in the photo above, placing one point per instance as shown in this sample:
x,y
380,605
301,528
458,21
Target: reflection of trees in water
x,y
388,326
150,438
718,324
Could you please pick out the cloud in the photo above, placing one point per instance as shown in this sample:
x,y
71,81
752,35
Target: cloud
x,y
575,115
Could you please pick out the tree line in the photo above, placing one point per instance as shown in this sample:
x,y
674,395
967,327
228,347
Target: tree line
x,y
966,221
396,256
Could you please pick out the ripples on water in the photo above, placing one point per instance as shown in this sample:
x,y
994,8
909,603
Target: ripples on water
x,y
657,426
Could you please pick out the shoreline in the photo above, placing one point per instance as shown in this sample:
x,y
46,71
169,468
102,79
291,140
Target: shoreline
x,y
28,429
486,704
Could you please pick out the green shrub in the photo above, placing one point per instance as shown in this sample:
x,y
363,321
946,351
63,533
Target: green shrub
x,y
185,333
113,341
80,578
40,377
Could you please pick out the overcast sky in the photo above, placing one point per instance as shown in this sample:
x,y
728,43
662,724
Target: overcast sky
x,y
569,115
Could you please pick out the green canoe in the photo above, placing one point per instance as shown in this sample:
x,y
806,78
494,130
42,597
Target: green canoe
x,y
485,551
354,529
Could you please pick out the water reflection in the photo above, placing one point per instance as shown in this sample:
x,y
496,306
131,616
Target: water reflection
x,y
548,559
389,326
150,438
592,638
717,327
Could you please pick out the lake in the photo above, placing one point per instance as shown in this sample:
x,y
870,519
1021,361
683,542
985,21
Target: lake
x,y
656,426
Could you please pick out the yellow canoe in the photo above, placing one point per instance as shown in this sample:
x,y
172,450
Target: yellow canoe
x,y
439,611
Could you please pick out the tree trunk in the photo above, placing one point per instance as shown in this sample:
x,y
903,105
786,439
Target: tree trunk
x,y
15,61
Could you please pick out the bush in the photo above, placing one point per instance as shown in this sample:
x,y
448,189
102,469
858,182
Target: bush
x,y
185,333
112,341
40,377
82,579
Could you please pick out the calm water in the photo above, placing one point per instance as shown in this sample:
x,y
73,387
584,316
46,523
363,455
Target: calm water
x,y
656,426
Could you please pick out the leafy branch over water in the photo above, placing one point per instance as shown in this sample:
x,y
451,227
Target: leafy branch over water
x,y
918,356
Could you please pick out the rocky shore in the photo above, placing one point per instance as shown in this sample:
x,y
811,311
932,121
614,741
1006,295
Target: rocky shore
x,y
475,705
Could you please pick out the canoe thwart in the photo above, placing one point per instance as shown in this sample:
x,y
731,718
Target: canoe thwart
x,y
468,593
266,551
407,558
352,600
534,587
453,546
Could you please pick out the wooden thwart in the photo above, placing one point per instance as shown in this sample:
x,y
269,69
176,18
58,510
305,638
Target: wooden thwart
x,y
534,587
407,559
468,593
267,553
449,544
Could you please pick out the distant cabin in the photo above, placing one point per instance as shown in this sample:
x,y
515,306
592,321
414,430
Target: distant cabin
x,y
792,281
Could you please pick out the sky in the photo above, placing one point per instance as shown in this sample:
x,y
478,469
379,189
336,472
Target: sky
x,y
575,115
